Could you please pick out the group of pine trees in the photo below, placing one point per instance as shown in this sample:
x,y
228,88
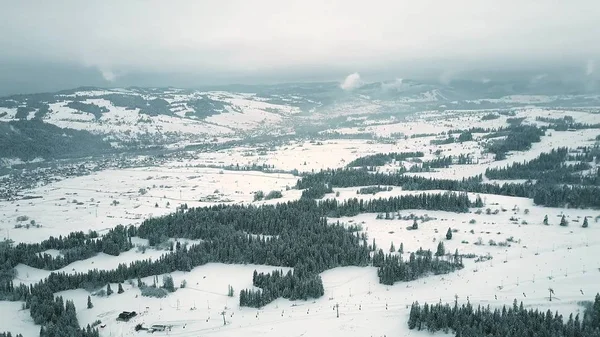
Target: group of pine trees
x,y
56,316
515,321
74,247
550,168
566,123
514,138
381,159
392,268
542,193
296,284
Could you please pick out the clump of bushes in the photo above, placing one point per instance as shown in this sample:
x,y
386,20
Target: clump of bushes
x,y
154,292
273,195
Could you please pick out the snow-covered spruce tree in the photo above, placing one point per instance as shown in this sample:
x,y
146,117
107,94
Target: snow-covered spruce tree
x,y
449,234
441,250
563,221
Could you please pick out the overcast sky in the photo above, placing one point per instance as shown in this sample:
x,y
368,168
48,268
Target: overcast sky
x,y
69,43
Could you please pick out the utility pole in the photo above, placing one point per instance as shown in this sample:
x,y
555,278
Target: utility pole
x,y
223,313
337,308
551,292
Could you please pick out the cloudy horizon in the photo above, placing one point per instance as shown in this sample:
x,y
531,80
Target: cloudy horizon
x,y
189,43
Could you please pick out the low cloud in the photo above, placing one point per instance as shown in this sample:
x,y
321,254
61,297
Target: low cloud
x,y
108,75
394,85
447,76
590,67
351,82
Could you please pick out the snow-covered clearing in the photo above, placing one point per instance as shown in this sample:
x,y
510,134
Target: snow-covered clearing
x,y
108,198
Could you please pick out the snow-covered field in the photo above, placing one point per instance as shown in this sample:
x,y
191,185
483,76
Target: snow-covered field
x,y
528,259
108,198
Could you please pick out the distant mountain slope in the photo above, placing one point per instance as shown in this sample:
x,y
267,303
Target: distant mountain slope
x,y
170,115
31,139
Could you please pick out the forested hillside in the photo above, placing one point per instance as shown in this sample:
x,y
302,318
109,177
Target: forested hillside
x,y
30,139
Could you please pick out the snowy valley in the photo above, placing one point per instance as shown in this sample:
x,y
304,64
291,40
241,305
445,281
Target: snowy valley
x,y
173,198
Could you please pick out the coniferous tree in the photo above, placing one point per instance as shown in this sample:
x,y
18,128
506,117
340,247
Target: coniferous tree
x,y
469,321
120,290
585,222
415,225
563,221
546,220
89,303
441,250
392,248
168,283
108,290
401,249
449,234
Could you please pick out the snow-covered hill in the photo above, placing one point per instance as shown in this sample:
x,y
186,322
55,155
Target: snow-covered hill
x,y
159,116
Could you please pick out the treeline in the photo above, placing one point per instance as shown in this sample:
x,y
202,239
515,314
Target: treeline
x,y
8,334
381,159
73,247
426,166
316,191
392,268
549,168
443,141
150,107
466,321
566,123
57,317
449,201
293,285
91,108
542,193
441,162
566,196
205,107
373,189
30,139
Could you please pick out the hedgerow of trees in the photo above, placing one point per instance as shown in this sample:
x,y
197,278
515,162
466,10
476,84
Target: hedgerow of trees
x,y
467,321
